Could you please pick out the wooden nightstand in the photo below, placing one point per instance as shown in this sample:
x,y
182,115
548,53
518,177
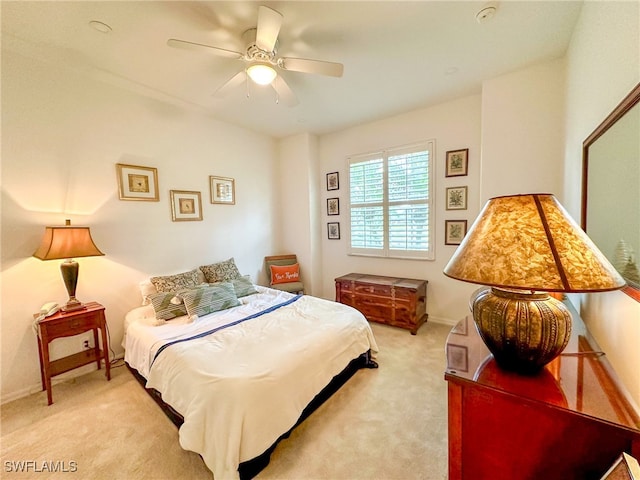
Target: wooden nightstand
x,y
66,324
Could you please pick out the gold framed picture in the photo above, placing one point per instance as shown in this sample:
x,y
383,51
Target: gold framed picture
x,y
223,190
185,206
137,183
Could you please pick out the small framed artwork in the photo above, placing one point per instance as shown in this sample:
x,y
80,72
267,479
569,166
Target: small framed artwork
x,y
333,231
457,198
223,190
333,181
455,230
137,183
185,206
457,162
461,327
457,357
333,206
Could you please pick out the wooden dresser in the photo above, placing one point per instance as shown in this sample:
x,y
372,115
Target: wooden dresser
x,y
400,302
569,422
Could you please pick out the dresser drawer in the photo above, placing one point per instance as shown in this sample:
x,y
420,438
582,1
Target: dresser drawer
x,y
344,287
405,294
369,289
376,313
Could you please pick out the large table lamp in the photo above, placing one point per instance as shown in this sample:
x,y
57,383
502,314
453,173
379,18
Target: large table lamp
x,y
524,246
67,242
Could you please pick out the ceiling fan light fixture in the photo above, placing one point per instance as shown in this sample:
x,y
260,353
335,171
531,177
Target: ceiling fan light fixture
x,y
261,73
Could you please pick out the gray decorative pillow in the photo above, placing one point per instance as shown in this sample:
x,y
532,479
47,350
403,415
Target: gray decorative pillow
x,y
221,271
172,283
208,299
164,307
243,286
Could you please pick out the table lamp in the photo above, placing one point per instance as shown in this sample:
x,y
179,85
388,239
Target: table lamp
x,y
66,242
524,246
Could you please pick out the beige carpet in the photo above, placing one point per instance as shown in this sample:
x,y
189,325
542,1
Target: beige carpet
x,y
388,423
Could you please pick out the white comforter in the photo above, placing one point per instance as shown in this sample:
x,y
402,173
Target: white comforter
x,y
241,388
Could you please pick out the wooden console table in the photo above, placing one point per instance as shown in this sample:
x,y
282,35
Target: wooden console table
x,y
68,324
401,302
571,421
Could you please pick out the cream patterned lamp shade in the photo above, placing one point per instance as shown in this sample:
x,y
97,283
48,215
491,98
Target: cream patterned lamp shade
x,y
529,242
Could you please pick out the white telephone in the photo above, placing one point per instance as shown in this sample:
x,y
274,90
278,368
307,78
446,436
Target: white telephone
x,y
48,309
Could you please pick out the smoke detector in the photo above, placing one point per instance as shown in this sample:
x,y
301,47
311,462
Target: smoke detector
x,y
487,12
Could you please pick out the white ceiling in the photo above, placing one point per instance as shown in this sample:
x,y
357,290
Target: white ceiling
x,y
397,56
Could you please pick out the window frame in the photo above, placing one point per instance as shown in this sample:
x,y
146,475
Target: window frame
x,y
386,252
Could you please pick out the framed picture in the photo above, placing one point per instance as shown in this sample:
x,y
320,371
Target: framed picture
x,y
457,162
333,206
137,183
461,327
185,206
457,357
333,231
223,190
333,181
455,230
457,198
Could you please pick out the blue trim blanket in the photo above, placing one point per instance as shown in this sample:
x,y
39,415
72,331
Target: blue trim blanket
x,y
241,377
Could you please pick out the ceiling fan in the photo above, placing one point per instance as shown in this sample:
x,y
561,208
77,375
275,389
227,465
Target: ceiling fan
x,y
261,59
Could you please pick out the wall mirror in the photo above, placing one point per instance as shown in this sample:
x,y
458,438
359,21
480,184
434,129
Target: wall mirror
x,y
611,189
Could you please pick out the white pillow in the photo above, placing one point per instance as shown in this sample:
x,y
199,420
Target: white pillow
x,y
146,289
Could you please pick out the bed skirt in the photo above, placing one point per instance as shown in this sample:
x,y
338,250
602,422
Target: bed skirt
x,y
251,468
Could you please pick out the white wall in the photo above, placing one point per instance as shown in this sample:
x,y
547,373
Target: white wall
x,y
453,125
522,132
603,65
62,134
298,197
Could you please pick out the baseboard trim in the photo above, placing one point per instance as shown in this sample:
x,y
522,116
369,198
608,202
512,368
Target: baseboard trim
x,y
445,321
65,377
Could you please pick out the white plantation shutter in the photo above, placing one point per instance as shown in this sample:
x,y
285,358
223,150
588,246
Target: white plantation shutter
x,y
391,204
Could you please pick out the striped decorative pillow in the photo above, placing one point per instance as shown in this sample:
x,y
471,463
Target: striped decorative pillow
x,y
166,309
212,298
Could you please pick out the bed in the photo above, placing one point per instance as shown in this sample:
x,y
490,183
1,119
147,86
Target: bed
x,y
241,377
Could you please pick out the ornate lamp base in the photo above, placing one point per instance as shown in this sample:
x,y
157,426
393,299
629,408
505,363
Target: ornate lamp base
x,y
524,331
69,269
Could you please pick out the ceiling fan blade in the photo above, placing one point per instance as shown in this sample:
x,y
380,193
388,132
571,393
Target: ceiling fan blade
x,y
173,42
269,23
230,84
306,65
285,94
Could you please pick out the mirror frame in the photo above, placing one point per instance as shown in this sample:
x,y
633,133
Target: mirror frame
x,y
632,99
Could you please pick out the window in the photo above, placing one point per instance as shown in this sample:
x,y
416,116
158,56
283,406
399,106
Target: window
x,y
390,202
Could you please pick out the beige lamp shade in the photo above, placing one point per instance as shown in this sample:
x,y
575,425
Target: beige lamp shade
x,y
529,242
66,242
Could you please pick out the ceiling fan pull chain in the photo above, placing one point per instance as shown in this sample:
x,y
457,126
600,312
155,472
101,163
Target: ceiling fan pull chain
x,y
246,82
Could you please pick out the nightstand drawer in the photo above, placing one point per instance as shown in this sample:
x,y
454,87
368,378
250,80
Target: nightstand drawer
x,y
66,327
